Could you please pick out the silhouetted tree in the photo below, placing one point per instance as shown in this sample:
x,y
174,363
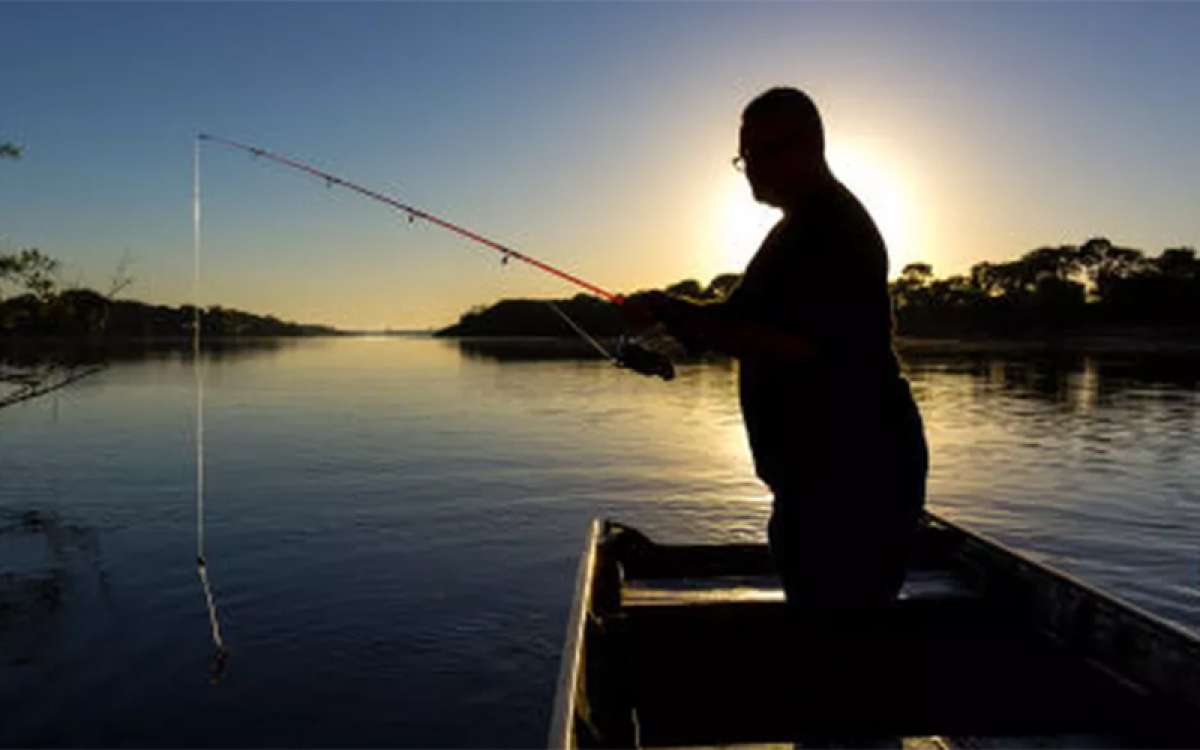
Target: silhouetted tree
x,y
30,270
917,273
721,286
1052,289
909,291
1179,263
688,288
1107,265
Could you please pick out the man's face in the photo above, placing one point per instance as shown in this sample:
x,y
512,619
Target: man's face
x,y
776,163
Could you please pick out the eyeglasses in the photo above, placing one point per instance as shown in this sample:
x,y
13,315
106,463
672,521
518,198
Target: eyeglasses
x,y
765,150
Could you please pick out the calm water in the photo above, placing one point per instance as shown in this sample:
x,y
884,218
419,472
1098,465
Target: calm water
x,y
393,525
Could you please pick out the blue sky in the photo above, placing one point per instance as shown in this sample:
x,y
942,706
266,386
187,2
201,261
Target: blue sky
x,y
596,136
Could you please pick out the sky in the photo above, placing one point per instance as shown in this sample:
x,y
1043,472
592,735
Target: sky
x,y
596,137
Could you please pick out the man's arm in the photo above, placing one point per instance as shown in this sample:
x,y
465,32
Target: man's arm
x,y
717,327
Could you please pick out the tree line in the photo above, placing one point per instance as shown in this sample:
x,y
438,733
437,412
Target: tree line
x,y
1053,290
39,307
533,317
1046,292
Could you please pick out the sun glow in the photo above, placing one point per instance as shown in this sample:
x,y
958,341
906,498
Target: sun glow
x,y
882,190
881,187
744,225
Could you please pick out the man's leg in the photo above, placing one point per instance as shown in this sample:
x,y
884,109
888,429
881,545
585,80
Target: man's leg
x,y
841,540
847,546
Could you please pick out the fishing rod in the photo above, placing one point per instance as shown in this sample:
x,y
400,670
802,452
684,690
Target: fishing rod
x,y
629,354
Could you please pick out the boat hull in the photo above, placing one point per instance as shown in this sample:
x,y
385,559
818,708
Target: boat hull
x,y
686,645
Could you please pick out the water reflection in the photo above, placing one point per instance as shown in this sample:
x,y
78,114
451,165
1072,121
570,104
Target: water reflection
x,y
1085,459
1082,379
505,349
396,521
534,349
27,352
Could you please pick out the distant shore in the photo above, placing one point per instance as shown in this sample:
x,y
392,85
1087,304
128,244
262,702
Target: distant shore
x,y
1106,342
86,314
1131,341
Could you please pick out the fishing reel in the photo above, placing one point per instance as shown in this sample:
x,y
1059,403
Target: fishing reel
x,y
632,355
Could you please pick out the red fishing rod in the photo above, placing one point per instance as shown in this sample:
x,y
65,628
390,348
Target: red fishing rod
x,y
629,354
416,213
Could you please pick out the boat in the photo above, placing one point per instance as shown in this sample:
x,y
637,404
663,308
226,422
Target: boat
x,y
694,645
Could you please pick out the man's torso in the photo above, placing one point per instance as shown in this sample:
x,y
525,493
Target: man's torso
x,y
821,274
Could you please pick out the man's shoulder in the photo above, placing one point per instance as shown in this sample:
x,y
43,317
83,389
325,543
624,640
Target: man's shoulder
x,y
834,234
845,213
848,231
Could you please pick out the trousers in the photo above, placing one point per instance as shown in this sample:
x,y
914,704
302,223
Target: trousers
x,y
840,536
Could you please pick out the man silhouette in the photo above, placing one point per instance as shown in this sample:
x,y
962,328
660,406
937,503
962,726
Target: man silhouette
x,y
832,425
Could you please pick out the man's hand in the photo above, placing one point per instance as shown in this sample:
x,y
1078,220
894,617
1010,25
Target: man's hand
x,y
644,309
684,320
702,328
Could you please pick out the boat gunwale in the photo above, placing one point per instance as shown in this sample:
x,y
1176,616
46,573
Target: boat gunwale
x,y
1002,550
1102,643
562,722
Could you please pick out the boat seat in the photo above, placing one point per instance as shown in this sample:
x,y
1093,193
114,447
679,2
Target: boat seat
x,y
921,584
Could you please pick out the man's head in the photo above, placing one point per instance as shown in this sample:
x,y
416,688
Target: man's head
x,y
782,144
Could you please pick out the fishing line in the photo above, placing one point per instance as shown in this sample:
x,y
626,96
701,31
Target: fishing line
x,y
221,652
586,337
630,354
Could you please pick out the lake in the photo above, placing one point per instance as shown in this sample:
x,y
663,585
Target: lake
x,y
392,525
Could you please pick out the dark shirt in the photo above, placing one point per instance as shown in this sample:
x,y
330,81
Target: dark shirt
x,y
821,274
